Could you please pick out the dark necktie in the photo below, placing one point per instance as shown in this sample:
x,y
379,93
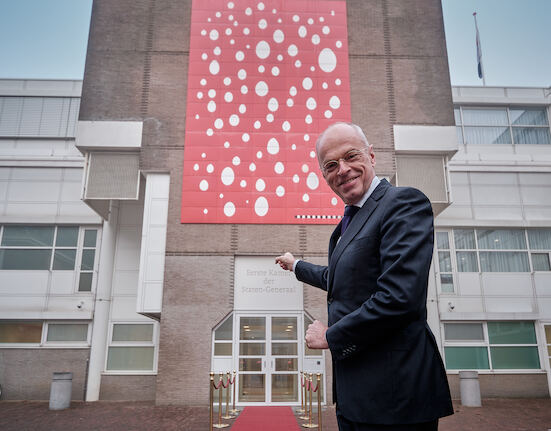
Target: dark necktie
x,y
349,212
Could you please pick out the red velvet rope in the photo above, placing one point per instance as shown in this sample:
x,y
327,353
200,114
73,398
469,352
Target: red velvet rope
x,y
215,386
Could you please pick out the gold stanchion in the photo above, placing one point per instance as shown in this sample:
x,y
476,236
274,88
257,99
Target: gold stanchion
x,y
310,424
227,415
305,396
234,411
319,400
220,424
211,398
301,410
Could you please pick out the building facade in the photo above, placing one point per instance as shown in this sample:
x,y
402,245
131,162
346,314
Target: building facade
x,y
138,239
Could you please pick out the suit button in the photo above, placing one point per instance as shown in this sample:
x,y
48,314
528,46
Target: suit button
x,y
329,301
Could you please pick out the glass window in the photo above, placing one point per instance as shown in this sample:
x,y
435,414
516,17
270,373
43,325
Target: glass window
x,y
511,333
25,259
464,239
466,358
64,259
485,117
501,239
518,357
222,349
225,330
446,283
531,136
487,135
539,239
463,332
459,133
249,349
132,332
28,236
20,332
252,328
284,328
67,236
67,332
85,282
90,236
130,358
528,117
442,241
87,263
467,261
540,262
457,116
284,349
504,261
444,261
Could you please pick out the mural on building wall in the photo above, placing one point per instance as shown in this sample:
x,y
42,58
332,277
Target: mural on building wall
x,y
265,77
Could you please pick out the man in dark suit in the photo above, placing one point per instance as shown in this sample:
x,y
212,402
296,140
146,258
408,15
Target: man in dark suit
x,y
387,371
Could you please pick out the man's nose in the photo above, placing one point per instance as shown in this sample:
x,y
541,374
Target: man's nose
x,y
343,167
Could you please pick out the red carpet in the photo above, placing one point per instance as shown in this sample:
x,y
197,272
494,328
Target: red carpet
x,y
266,419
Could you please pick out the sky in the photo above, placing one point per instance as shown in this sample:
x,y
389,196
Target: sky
x,y
47,39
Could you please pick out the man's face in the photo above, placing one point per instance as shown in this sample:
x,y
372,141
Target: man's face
x,y
351,177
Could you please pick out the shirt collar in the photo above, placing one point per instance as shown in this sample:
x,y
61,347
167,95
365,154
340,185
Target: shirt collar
x,y
374,183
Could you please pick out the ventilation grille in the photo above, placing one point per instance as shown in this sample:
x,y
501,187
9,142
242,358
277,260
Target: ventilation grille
x,y
426,173
112,176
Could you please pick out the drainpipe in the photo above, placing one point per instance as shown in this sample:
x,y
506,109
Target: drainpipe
x,y
100,325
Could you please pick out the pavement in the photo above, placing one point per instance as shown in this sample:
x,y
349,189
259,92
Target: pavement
x,y
495,414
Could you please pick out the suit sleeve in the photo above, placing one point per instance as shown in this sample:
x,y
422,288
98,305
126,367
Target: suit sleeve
x,y
315,275
405,247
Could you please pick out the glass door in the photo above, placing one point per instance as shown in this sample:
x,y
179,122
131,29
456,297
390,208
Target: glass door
x,y
268,359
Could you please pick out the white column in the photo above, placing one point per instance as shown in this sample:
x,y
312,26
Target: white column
x,y
100,325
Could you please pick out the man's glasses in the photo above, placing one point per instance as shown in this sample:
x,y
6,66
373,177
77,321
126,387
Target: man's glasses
x,y
351,156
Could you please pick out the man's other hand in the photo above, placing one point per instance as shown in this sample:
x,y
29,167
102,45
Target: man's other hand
x,y
286,261
315,336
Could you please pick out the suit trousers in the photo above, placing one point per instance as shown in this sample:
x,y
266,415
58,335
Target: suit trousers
x,y
346,425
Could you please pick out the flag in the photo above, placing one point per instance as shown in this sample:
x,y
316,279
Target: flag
x,y
478,49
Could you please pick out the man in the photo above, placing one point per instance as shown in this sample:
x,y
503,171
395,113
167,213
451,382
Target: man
x,y
387,371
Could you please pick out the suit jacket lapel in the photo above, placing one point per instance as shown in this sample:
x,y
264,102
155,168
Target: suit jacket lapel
x,y
336,248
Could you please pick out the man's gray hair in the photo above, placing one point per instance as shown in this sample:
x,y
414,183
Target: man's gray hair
x,y
355,127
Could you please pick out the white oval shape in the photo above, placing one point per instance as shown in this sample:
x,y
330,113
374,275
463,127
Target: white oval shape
x,y
228,97
218,123
203,32
260,6
227,80
280,191
242,74
234,120
260,185
335,102
230,5
236,161
328,114
246,31
269,118
210,168
305,168
199,94
338,44
296,18
324,85
298,63
310,21
305,197
286,126
203,81
242,108
263,49
307,83
261,68
306,137
195,167
302,31
261,88
278,36
212,93
213,35
279,57
204,185
248,11
203,155
252,167
275,71
311,103
273,146
273,105
290,102
312,154
338,81
210,132
293,147
244,89
217,50
257,124
259,155
228,31
293,91
327,60
315,39
279,168
261,206
239,55
262,24
296,179
214,67
292,50
245,137
325,29
229,209
308,119
211,106
334,201
227,176
243,183
204,56
312,181
226,144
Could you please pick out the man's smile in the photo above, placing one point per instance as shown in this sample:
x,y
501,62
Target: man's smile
x,y
348,180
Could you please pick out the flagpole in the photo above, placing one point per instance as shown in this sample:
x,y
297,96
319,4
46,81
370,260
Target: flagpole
x,y
481,73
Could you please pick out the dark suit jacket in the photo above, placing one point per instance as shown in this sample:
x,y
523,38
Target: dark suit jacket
x,y
386,364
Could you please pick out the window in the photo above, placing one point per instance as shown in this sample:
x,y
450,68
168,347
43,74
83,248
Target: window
x,y
15,332
44,333
502,125
131,347
491,346
67,332
223,338
492,250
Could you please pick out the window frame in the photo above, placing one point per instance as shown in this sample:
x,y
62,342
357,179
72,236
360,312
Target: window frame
x,y
44,343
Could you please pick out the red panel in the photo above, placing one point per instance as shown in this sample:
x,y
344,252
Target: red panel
x,y
265,78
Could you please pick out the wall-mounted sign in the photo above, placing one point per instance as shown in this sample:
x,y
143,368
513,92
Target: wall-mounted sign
x,y
265,78
260,284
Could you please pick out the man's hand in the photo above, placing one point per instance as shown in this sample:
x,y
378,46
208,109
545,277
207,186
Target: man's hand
x,y
315,336
286,261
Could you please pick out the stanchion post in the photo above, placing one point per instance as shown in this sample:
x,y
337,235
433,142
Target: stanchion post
x,y
227,415
301,410
220,387
319,400
211,398
234,411
305,397
310,424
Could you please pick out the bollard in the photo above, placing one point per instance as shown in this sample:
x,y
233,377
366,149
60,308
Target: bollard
x,y
220,387
318,375
228,415
301,410
305,397
234,411
469,388
211,399
310,424
60,391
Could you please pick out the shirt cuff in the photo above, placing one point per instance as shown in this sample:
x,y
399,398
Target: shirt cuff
x,y
295,264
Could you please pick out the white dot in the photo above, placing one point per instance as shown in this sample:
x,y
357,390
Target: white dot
x,y
273,105
203,81
306,137
286,126
213,34
312,181
236,161
260,185
280,191
248,11
227,176
338,44
332,13
305,168
260,6
321,19
328,114
228,31
203,155
246,31
257,124
244,89
290,102
324,85
296,18
335,102
273,146
234,120
292,50
229,209
307,83
296,179
226,144
279,168
334,201
204,185
259,155
327,60
315,39
261,88
232,41
298,63
204,56
261,206
252,167
196,116
212,93
312,68
242,108
269,118
211,106
243,183
245,137
228,97
218,14
199,94
293,147
217,50
310,21
279,57
235,23
293,91
278,36
311,103
219,123
302,31
195,167
261,68
227,80
205,211
262,24
275,71
210,168
308,119
230,5
263,49
312,154
210,132
242,74
203,32
239,55
325,29
305,197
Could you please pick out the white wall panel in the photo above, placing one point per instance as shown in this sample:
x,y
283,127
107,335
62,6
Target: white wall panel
x,y
124,308
37,212
3,190
125,282
68,305
21,304
63,282
461,304
36,174
498,195
543,283
544,304
33,191
538,213
498,213
537,179
469,283
493,178
536,195
509,305
70,191
23,282
510,283
130,214
461,194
